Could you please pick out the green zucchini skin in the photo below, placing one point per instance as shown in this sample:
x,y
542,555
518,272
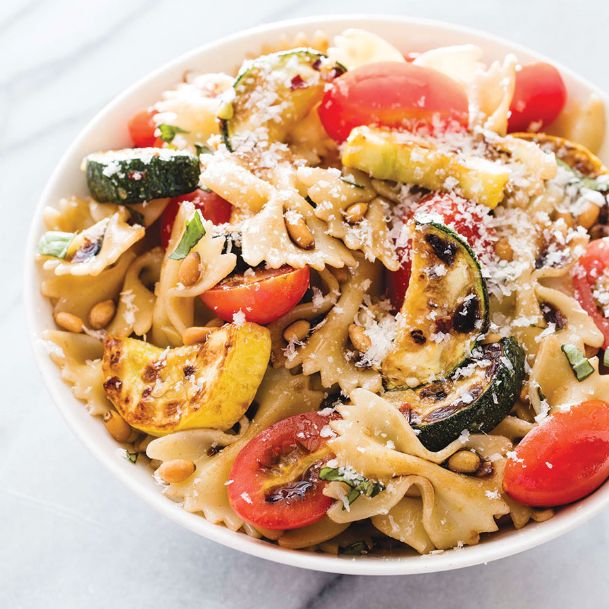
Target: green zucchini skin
x,y
495,390
135,175
257,87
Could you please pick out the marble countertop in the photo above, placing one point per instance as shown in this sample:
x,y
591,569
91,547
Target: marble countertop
x,y
70,535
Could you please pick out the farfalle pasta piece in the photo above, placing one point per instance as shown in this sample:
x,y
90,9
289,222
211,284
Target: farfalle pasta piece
x,y
460,62
322,301
281,395
312,535
233,182
265,237
375,442
215,265
355,47
136,301
116,235
79,358
172,314
326,350
333,194
490,95
77,294
192,107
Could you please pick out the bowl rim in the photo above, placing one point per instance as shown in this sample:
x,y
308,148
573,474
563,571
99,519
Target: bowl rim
x,y
517,541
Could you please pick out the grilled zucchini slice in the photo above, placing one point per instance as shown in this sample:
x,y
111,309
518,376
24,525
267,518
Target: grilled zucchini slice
x,y
405,157
273,93
208,385
445,309
476,398
135,175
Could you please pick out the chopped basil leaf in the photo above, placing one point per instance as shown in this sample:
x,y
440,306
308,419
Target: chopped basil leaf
x,y
192,235
168,132
585,181
356,549
349,180
360,485
581,366
55,243
131,456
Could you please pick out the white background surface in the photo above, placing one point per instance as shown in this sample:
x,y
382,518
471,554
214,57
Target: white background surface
x,y
70,535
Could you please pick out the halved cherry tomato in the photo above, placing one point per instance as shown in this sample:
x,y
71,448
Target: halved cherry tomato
x,y
539,97
589,269
275,478
213,207
141,128
562,460
263,295
391,94
463,216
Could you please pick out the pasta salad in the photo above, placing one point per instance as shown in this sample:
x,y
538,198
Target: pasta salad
x,y
347,300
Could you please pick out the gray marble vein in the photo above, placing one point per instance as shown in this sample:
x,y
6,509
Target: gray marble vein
x,y
70,535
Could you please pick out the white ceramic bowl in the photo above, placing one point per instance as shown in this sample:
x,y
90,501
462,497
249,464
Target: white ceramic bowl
x,y
108,130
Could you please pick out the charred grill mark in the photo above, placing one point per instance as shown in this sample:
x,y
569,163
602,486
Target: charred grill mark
x,y
552,315
435,392
87,250
444,325
467,314
113,385
150,373
418,337
189,370
447,411
444,250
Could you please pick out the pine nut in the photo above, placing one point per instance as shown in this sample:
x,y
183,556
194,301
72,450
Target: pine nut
x,y
589,215
359,339
296,331
117,427
190,269
176,470
356,213
464,462
504,250
196,334
101,314
298,230
69,322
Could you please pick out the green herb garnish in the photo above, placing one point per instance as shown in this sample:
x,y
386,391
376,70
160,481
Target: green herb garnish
x,y
192,235
55,243
581,366
584,181
168,132
132,457
360,485
356,549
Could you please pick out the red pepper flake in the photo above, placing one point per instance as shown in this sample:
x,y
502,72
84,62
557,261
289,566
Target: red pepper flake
x,y
297,82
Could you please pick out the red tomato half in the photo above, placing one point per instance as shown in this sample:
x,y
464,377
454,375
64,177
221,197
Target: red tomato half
x,y
539,97
562,460
463,216
589,269
263,296
275,478
141,128
391,94
213,207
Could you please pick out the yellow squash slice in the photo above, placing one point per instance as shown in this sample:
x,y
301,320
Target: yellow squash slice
x,y
160,391
404,157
